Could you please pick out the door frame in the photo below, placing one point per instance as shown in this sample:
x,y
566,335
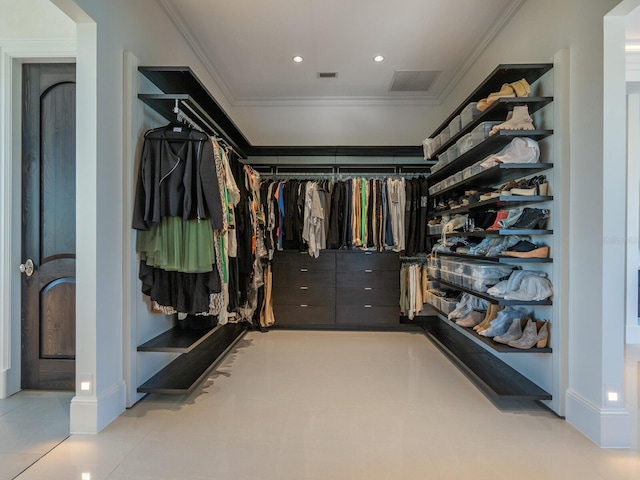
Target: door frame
x,y
13,54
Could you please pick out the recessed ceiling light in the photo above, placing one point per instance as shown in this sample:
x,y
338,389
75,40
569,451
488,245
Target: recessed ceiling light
x,y
298,59
378,58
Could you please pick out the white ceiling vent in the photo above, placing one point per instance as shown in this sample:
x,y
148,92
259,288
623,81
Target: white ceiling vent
x,y
412,80
327,74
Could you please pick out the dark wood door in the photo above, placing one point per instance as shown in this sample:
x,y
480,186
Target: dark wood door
x,y
48,226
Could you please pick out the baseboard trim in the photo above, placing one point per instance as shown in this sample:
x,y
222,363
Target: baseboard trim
x,y
90,414
607,428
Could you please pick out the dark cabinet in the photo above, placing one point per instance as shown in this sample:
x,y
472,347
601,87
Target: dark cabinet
x,y
349,288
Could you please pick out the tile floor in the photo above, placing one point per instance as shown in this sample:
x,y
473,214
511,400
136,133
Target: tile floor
x,y
31,424
333,405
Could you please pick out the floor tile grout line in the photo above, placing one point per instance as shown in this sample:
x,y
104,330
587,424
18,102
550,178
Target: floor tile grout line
x,y
43,456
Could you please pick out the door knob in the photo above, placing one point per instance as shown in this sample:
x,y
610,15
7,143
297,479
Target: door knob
x,y
27,267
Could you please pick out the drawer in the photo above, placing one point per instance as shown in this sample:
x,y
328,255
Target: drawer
x,y
304,296
296,279
375,279
292,260
367,315
368,296
299,315
367,261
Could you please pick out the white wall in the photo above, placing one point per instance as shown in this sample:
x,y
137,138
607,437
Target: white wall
x,y
34,19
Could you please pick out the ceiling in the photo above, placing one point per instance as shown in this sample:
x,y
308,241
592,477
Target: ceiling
x,y
248,45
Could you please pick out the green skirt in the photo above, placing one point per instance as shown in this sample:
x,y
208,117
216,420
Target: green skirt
x,y
178,245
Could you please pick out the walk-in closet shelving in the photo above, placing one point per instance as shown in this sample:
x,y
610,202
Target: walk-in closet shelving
x,y
505,260
496,233
444,332
496,202
489,298
200,350
498,174
498,347
495,378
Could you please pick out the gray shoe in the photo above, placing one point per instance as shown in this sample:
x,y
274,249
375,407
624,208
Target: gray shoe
x,y
514,333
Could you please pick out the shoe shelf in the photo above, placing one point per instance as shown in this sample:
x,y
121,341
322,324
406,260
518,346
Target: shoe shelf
x,y
494,377
488,342
497,111
499,174
491,145
504,260
185,373
503,73
503,201
492,233
177,340
489,298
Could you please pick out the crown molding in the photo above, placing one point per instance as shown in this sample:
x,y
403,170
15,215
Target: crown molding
x,y
490,34
336,101
197,48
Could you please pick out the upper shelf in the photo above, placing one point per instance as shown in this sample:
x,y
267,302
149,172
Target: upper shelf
x,y
505,73
493,144
182,84
497,112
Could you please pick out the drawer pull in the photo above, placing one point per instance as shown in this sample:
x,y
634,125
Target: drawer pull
x,y
368,288
304,288
368,271
304,306
367,306
304,269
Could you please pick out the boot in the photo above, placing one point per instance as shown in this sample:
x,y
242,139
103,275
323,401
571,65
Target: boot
x,y
531,336
492,312
520,120
471,320
514,333
498,326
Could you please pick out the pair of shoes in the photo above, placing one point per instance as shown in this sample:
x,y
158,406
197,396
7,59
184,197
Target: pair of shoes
x,y
520,88
483,220
518,119
534,186
492,313
501,215
535,333
532,218
526,249
513,215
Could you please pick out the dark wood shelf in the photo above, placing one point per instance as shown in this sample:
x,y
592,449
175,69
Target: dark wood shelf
x,y
505,260
503,201
186,372
503,73
489,298
494,233
492,375
177,339
492,144
498,347
497,111
182,81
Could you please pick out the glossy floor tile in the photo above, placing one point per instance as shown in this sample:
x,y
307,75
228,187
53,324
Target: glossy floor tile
x,y
31,424
334,405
